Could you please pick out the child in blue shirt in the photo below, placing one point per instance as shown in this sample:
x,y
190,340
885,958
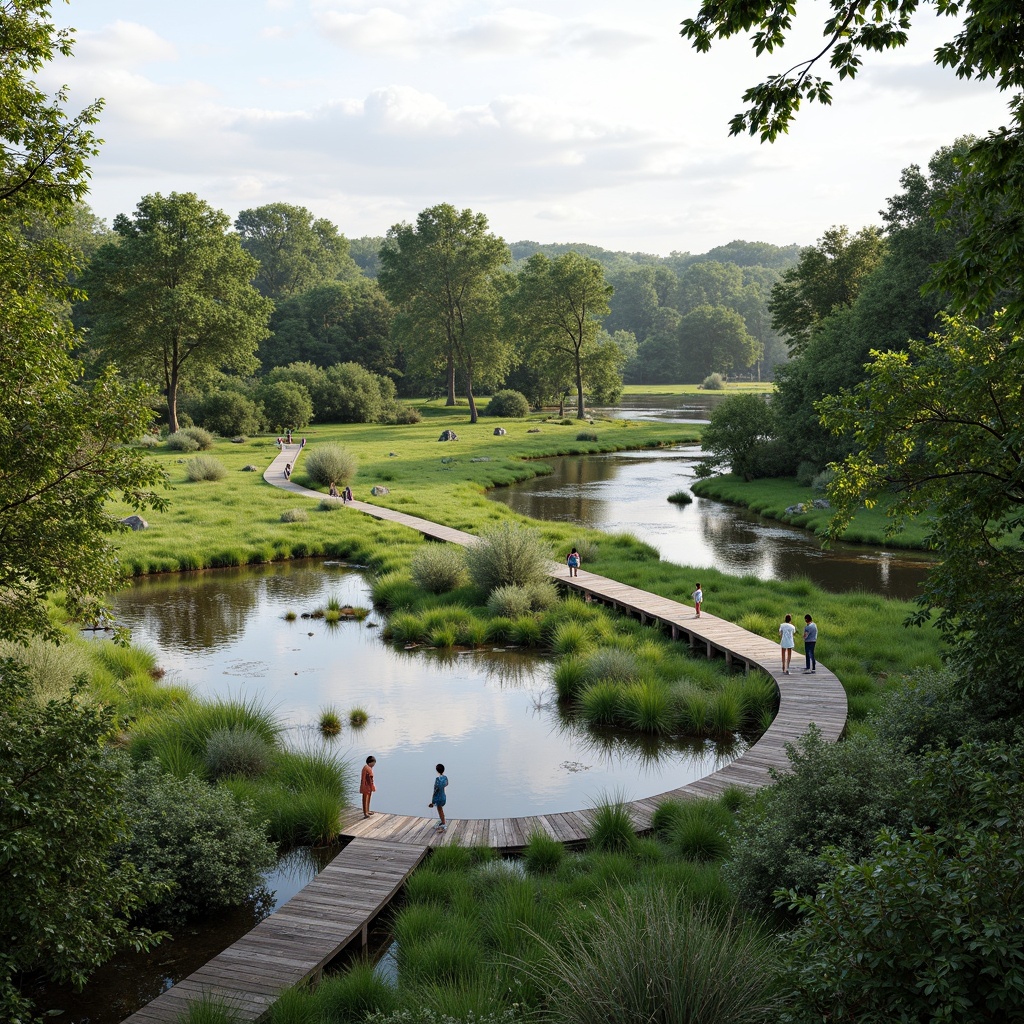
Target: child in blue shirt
x,y
439,798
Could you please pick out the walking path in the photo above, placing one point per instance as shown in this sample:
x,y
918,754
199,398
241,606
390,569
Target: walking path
x,y
817,699
299,939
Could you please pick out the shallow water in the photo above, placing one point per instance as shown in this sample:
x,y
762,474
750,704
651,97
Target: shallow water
x,y
489,716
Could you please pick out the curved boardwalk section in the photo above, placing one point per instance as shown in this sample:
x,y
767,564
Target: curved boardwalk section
x,y
804,700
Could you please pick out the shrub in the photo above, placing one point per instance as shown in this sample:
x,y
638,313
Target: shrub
x,y
543,853
205,467
203,438
330,463
230,413
510,601
295,515
206,848
587,548
834,795
612,664
439,568
927,710
697,966
702,830
543,595
822,480
586,435
181,442
406,414
508,554
147,441
329,504
713,382
286,404
237,752
611,827
509,404
805,473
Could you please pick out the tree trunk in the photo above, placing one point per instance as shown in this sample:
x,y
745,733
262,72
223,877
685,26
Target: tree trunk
x,y
451,379
473,415
581,412
172,404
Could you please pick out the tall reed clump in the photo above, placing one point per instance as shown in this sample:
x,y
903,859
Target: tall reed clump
x,y
328,464
611,826
698,966
393,590
205,467
439,568
506,555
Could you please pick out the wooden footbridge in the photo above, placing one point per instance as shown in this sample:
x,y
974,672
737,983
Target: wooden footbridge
x,y
336,908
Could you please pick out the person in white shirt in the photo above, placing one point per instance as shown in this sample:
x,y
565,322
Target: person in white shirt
x,y
787,631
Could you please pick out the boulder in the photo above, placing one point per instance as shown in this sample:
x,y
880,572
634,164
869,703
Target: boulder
x,y
448,435
795,510
238,440
820,503
379,490
135,523
534,430
499,431
250,469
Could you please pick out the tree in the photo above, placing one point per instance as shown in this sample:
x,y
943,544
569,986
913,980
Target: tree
x,y
715,339
172,300
295,252
987,45
827,277
339,322
66,907
741,438
941,425
286,405
64,443
446,276
558,305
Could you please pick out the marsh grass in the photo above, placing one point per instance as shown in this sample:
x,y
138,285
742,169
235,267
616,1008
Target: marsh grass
x,y
698,966
237,752
526,632
611,826
210,1009
358,717
680,498
702,830
570,679
394,590
330,722
510,601
508,554
205,467
294,1006
571,638
601,704
543,853
439,568
352,995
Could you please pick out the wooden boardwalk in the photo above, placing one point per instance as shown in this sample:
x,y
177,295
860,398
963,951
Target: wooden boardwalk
x,y
804,700
297,941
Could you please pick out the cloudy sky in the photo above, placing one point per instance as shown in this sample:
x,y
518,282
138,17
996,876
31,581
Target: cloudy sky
x,y
561,121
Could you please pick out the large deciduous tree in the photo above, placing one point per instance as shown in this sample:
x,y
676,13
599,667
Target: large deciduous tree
x,y
446,275
296,251
63,442
558,306
171,300
715,339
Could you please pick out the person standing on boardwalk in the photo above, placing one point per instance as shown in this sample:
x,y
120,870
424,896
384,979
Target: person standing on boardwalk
x,y
698,599
573,561
787,631
810,642
439,799
366,786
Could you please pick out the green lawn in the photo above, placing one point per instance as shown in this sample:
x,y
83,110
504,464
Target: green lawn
x,y
771,497
739,387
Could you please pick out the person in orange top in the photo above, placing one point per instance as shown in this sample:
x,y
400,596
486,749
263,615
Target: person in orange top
x,y
366,786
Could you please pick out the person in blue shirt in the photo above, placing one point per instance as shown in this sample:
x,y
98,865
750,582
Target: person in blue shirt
x,y
810,642
439,798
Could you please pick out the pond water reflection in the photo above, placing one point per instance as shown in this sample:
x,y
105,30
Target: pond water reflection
x,y
628,492
488,715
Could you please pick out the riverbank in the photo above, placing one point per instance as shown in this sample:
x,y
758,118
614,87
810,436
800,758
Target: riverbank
x,y
771,497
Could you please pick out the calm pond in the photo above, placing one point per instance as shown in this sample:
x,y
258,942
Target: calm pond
x,y
488,715
628,491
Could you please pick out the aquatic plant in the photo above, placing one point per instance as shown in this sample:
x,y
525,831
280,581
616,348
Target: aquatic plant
x,y
330,722
358,717
611,826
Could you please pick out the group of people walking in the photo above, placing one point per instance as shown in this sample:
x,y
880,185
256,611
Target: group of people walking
x,y
438,798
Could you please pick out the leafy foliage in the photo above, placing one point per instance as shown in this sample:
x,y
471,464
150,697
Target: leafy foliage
x,y
439,568
510,404
506,555
834,795
927,926
742,437
65,909
172,300
192,842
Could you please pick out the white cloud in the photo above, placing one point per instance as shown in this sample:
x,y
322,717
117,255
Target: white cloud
x,y
124,44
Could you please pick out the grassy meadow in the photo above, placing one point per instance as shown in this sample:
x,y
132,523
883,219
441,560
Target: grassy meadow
x,y
238,520
771,497
741,387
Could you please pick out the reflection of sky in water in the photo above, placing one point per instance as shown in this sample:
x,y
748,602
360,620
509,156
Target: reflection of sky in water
x,y
627,492
490,718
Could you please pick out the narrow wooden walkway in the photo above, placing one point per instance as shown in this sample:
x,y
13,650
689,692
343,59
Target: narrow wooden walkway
x,y
298,940
817,699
